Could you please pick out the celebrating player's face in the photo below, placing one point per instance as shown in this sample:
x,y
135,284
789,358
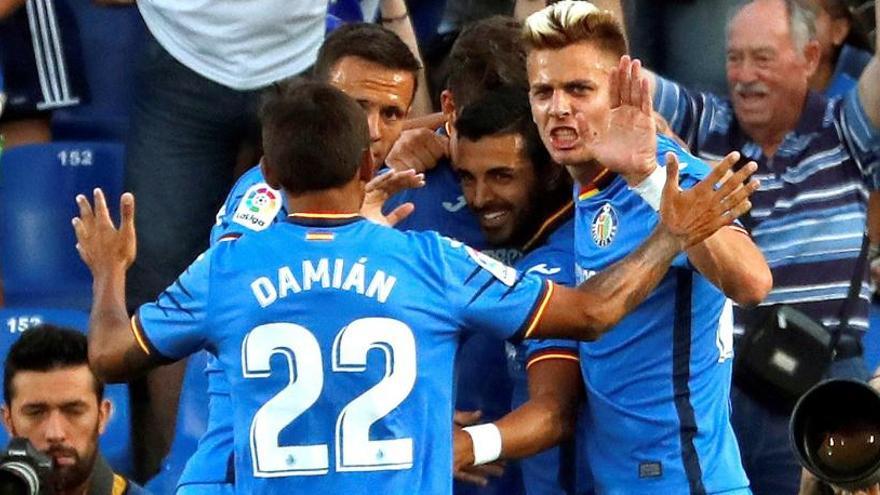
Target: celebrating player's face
x,y
59,412
385,95
568,91
498,183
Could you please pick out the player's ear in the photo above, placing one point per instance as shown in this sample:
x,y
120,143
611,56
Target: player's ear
x,y
269,174
367,169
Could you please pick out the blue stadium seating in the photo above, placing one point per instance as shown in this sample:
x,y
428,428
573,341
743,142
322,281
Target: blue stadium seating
x,y
38,259
111,40
116,442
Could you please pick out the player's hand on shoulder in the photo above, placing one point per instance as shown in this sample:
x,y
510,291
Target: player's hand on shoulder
x,y
418,149
695,214
101,245
382,187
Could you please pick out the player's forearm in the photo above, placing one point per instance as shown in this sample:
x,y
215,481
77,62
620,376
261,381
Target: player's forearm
x,y
537,425
732,262
108,324
599,303
628,282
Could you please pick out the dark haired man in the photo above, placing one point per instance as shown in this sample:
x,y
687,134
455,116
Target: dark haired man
x,y
523,200
324,288
54,400
373,66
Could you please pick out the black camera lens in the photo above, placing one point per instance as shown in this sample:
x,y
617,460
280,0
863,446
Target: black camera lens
x,y
18,478
835,430
848,449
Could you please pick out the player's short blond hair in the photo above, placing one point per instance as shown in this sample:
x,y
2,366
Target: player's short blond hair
x,y
570,21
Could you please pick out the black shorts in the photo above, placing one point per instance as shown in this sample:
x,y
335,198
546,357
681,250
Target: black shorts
x,y
41,59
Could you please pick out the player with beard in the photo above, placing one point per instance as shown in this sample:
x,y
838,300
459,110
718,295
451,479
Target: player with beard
x,y
523,200
54,400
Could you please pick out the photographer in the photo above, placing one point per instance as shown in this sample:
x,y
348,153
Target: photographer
x,y
55,401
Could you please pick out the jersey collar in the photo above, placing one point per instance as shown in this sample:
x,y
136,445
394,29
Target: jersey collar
x,y
552,222
596,185
323,219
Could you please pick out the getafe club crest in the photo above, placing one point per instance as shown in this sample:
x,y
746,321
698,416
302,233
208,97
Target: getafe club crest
x,y
604,226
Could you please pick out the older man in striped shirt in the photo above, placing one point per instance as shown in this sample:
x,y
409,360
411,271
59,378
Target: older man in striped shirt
x,y
816,158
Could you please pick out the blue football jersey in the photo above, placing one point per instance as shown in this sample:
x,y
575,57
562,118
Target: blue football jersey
x,y
658,383
557,470
251,206
337,337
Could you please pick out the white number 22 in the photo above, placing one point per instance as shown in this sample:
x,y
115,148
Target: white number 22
x,y
354,449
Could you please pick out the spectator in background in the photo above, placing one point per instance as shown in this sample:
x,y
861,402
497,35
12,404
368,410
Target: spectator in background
x,y
54,400
40,57
844,48
815,158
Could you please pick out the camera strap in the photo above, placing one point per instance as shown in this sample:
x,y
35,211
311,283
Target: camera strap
x,y
853,294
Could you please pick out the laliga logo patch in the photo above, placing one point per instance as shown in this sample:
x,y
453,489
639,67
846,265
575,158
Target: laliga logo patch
x,y
261,198
258,208
604,226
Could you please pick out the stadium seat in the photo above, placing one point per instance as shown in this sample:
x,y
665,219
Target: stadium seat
x,y
116,442
111,39
38,259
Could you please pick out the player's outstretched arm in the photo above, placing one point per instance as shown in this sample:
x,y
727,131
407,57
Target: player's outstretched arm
x,y
113,352
687,218
544,421
731,260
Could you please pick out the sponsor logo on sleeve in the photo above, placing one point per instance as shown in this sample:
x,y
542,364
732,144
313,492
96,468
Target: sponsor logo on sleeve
x,y
258,207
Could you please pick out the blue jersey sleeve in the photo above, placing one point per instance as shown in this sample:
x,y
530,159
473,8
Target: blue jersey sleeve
x,y
558,266
251,206
488,295
175,325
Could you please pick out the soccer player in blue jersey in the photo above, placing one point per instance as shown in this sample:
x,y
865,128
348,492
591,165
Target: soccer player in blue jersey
x,y
522,199
486,55
292,313
373,66
658,386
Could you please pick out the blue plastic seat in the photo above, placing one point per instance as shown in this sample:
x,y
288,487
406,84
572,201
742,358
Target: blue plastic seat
x,y
39,263
115,443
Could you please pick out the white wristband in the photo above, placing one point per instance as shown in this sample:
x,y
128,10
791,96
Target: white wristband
x,y
487,442
651,189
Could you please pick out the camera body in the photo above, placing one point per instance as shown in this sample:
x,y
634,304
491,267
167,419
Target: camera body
x,y
835,433
25,470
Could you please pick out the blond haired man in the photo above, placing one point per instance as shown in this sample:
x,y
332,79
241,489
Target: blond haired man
x,y
657,387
